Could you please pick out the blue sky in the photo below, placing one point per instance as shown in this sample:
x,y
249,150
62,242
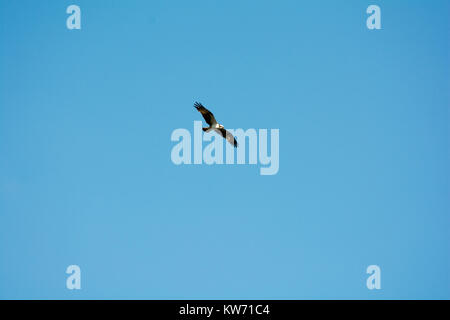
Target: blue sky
x,y
86,176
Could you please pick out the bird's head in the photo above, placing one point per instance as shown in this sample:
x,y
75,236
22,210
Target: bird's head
x,y
221,126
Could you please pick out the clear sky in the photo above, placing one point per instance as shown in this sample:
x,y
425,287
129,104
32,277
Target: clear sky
x,y
86,176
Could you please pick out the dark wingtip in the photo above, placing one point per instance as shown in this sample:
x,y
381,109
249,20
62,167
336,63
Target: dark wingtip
x,y
197,104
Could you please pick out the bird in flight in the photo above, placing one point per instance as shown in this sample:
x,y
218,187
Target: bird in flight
x,y
213,125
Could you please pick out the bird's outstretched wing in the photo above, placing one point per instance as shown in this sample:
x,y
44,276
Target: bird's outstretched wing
x,y
228,136
209,117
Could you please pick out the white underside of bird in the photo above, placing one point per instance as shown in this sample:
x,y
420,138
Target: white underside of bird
x,y
215,127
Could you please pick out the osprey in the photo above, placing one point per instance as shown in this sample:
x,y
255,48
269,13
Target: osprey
x,y
213,125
